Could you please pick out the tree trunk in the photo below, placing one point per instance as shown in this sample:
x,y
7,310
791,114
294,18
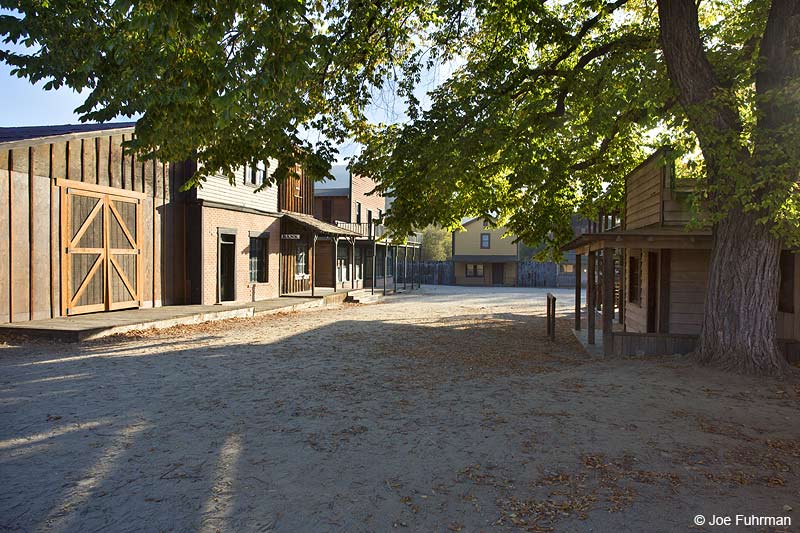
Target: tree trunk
x,y
740,313
741,307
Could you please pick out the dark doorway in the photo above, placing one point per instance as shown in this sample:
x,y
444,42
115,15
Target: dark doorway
x,y
327,210
652,292
227,262
498,271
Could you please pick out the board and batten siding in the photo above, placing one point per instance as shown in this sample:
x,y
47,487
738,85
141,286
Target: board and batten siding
x,y
241,193
30,217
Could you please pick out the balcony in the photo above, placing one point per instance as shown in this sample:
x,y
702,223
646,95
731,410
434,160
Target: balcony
x,y
374,231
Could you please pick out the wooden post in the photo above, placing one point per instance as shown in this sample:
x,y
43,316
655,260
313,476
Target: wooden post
x,y
313,264
385,265
621,302
335,243
394,272
374,264
608,292
353,263
578,292
591,296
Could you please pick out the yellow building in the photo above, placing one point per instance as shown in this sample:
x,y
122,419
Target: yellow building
x,y
483,256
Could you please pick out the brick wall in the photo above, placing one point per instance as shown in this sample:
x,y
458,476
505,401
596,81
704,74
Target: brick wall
x,y
243,223
361,186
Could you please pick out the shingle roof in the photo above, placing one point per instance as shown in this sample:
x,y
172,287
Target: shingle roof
x,y
318,225
22,133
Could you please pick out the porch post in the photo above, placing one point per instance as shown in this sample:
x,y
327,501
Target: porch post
x,y
374,263
313,264
578,292
591,296
353,263
608,295
335,242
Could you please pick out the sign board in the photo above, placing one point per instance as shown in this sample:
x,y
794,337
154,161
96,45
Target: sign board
x,y
290,236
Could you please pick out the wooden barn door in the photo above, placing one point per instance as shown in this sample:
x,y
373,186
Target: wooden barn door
x,y
101,244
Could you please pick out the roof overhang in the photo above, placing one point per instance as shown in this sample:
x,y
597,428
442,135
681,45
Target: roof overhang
x,y
318,226
657,238
484,258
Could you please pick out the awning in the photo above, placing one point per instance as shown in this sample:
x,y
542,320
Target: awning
x,y
319,226
651,237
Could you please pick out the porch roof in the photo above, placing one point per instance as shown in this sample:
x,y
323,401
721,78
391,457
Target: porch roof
x,y
319,226
647,237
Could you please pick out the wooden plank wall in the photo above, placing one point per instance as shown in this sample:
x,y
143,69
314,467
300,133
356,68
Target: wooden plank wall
x,y
289,284
30,247
296,195
688,282
789,323
643,189
636,313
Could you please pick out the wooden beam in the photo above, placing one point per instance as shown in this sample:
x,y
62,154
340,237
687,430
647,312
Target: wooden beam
x,y
608,291
591,296
663,291
578,292
313,263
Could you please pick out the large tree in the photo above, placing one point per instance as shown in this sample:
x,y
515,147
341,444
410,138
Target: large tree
x,y
551,105
556,102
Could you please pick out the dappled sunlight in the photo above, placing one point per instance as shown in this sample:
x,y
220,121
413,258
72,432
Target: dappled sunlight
x,y
220,501
67,509
65,377
56,432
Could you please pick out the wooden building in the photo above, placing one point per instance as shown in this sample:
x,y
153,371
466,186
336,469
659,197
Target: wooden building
x,y
374,261
484,255
660,269
84,228
302,236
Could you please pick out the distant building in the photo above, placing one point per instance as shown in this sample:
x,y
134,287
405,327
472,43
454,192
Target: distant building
x,y
483,256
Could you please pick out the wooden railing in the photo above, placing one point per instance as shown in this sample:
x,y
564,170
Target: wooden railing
x,y
373,231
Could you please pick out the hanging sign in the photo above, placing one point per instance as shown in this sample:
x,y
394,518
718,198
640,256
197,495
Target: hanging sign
x,y
290,236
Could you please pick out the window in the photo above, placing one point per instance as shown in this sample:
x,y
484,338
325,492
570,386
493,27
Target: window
x,y
358,212
634,280
485,239
380,215
301,260
258,259
390,262
253,175
567,268
474,271
786,293
369,216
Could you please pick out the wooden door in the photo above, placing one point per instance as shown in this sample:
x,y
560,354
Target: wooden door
x,y
101,250
498,271
652,292
227,267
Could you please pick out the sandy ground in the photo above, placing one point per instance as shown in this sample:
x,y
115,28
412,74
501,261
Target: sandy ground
x,y
445,411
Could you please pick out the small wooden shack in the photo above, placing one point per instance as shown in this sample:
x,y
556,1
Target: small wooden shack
x,y
654,270
83,227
